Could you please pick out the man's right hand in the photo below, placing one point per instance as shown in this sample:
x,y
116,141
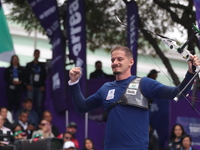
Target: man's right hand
x,y
75,74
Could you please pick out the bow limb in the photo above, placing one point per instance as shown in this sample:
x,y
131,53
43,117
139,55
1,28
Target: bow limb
x,y
148,36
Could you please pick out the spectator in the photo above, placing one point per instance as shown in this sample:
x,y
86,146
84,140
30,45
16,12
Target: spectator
x,y
3,112
98,73
5,131
69,145
14,77
88,144
19,135
186,142
27,105
35,81
72,128
47,116
67,136
25,125
16,127
175,137
2,128
153,74
44,130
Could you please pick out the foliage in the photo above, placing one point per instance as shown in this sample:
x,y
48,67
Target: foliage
x,y
22,14
103,30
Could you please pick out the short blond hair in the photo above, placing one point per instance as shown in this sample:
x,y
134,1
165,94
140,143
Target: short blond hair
x,y
127,51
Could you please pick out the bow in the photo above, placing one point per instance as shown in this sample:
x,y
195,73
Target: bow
x,y
173,46
184,52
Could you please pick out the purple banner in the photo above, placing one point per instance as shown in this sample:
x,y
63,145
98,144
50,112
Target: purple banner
x,y
132,35
197,6
191,127
47,14
77,36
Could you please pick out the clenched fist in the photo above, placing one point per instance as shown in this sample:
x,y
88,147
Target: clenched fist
x,y
75,74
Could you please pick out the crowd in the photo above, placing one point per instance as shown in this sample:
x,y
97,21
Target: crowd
x,y
29,80
24,116
23,128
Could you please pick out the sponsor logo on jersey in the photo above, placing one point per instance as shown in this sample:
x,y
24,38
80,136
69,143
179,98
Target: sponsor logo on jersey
x,y
110,94
131,92
133,85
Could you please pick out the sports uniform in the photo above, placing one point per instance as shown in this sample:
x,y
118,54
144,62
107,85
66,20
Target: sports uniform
x,y
127,126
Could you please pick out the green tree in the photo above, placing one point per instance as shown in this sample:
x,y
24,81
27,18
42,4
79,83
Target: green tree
x,y
103,30
161,16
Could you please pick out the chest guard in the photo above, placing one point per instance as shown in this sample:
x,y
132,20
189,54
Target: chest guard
x,y
133,96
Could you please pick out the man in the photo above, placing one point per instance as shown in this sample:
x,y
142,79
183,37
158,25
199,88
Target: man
x,y
72,128
32,115
127,125
153,74
25,125
98,73
67,136
35,81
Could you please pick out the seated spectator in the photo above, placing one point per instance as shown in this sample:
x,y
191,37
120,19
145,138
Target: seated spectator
x,y
5,131
47,116
175,137
2,128
16,127
67,136
69,146
25,125
19,135
27,105
186,142
44,130
88,144
3,112
72,128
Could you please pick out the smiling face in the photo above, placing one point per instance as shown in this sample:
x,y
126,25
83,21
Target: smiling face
x,y
121,64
